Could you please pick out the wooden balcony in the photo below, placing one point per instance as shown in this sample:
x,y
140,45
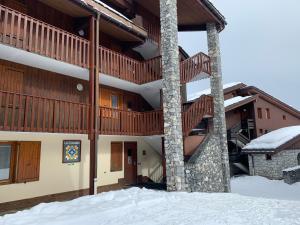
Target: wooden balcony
x,y
19,112
29,34
120,122
120,66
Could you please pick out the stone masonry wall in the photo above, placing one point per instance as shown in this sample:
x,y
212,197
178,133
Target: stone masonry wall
x,y
171,96
273,168
208,169
204,169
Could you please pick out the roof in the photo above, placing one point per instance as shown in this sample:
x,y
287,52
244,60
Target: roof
x,y
238,101
226,87
216,12
113,16
271,99
273,141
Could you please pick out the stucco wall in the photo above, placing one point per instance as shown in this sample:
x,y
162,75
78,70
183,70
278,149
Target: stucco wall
x,y
56,177
259,166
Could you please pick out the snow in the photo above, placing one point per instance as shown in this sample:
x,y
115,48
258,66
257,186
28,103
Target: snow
x,y
262,187
235,100
196,95
274,139
140,206
291,169
109,8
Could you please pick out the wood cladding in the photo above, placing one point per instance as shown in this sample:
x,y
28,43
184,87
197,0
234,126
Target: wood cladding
x,y
32,81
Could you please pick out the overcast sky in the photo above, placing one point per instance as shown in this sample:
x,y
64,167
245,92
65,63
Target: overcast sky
x,y
260,46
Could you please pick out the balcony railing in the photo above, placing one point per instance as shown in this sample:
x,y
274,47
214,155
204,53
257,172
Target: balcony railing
x,y
27,33
140,72
153,30
19,112
120,122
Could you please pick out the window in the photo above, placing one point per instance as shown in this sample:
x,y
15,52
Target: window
x,y
259,113
298,159
268,157
114,101
5,162
284,117
27,166
268,113
261,131
116,160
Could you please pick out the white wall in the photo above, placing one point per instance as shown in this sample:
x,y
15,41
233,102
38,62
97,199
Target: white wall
x,y
56,177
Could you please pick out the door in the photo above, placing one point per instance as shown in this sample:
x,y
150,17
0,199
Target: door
x,y
130,162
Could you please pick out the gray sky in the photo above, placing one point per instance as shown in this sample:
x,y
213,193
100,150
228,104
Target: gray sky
x,y
260,46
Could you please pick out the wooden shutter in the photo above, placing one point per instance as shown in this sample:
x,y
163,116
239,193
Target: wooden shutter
x,y
116,162
28,161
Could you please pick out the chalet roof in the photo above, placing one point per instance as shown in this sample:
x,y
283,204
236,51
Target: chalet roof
x,y
238,101
274,141
226,87
269,98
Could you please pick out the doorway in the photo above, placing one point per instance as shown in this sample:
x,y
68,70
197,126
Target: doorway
x,y
130,163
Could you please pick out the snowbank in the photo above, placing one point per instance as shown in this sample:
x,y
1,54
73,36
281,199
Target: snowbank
x,y
262,187
274,139
146,207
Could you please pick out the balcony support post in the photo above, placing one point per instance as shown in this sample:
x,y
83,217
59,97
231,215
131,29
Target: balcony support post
x,y
219,121
173,138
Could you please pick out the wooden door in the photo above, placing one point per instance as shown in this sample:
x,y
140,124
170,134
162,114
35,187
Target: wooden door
x,y
130,162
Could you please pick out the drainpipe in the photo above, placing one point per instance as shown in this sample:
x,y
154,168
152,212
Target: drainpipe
x,y
96,108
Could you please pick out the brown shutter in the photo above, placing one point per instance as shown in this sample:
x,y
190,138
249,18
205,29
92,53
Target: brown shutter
x,y
28,161
116,162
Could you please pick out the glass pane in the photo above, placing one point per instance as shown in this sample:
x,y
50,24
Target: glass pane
x,y
5,153
114,101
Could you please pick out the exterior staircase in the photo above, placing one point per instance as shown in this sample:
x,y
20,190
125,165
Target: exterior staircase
x,y
194,113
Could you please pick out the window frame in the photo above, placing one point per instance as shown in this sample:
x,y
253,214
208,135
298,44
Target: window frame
x,y
268,113
259,113
12,165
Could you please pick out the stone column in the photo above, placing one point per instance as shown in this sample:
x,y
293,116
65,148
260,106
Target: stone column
x,y
171,96
219,120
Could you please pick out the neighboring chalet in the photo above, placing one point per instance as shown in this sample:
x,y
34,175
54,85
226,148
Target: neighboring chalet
x,y
75,71
250,113
274,152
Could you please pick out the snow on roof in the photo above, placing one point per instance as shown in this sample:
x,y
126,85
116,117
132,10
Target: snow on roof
x,y
196,95
235,100
274,139
291,169
109,8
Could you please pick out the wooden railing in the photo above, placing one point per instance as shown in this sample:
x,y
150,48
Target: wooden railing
x,y
120,122
19,112
126,68
24,32
193,115
193,66
141,72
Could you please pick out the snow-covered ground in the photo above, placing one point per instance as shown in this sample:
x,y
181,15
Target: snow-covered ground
x,y
141,206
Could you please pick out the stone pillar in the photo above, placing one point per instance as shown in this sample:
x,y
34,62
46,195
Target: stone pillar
x,y
171,96
219,120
